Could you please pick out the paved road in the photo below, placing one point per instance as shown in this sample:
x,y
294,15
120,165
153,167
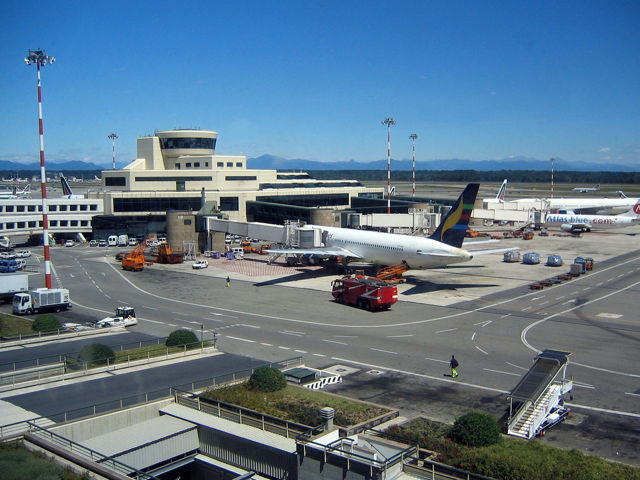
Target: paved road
x,y
401,355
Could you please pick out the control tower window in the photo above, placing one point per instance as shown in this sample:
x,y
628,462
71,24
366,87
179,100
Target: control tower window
x,y
188,142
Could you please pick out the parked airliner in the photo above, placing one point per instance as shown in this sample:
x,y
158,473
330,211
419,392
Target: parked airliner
x,y
66,189
587,189
15,193
442,248
572,222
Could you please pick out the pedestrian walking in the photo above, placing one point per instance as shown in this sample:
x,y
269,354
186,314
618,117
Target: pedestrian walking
x,y
228,281
454,365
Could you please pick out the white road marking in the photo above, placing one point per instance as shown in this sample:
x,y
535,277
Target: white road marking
x,y
284,348
535,298
241,339
543,303
334,341
292,333
612,316
473,337
487,322
318,355
516,366
383,351
447,330
300,351
481,350
525,309
399,336
266,344
436,360
500,371
634,394
561,297
569,301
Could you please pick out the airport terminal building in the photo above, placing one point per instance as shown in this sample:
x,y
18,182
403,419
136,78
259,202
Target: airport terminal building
x,y
179,170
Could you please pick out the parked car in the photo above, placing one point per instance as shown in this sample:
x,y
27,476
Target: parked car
x,y
531,258
554,260
198,264
69,243
133,242
23,253
102,243
93,243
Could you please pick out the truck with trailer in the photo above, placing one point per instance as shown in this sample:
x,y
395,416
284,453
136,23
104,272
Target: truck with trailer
x,y
368,293
41,300
12,283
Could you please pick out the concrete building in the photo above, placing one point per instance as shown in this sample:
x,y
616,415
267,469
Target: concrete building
x,y
180,170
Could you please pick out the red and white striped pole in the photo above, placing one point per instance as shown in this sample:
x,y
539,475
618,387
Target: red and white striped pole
x,y
388,122
413,138
40,59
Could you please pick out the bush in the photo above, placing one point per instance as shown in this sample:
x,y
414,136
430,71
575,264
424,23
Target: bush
x,y
267,379
45,322
181,337
476,429
95,354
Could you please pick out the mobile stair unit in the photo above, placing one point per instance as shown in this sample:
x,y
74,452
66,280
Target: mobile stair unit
x,y
537,401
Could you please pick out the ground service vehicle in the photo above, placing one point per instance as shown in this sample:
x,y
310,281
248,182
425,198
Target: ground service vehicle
x,y
369,293
41,300
124,317
123,240
13,283
198,264
112,240
166,255
8,265
135,260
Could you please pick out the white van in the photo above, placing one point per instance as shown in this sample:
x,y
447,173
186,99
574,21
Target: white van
x,y
112,240
123,240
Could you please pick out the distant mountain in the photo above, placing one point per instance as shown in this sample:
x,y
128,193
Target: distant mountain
x,y
272,162
513,163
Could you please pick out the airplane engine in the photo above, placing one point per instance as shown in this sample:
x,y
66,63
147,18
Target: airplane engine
x,y
310,260
565,227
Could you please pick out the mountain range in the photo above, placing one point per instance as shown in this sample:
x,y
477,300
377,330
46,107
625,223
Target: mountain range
x,y
272,162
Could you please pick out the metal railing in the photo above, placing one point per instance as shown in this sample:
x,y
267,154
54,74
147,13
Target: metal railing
x,y
18,428
88,454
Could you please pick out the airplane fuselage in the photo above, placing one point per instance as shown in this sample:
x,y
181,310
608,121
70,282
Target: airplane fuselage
x,y
588,222
390,249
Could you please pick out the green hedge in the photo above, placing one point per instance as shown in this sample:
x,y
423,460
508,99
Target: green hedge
x,y
181,337
96,354
476,429
267,379
46,322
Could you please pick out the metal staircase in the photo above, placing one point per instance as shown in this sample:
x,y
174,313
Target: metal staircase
x,y
539,395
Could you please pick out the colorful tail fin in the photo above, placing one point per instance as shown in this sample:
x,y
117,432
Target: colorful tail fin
x,y
453,227
66,189
502,190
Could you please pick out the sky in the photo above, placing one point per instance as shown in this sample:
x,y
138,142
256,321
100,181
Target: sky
x,y
477,80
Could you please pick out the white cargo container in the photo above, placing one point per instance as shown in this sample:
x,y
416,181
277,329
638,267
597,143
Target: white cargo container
x,y
12,283
41,300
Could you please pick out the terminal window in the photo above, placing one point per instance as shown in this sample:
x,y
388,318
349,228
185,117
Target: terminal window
x,y
115,181
229,203
188,142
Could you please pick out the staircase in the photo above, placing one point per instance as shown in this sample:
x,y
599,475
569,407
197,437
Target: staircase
x,y
526,424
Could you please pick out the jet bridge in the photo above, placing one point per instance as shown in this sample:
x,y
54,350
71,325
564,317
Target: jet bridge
x,y
537,401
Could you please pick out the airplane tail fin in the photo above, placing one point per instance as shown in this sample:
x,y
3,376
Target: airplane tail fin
x,y
502,190
633,211
453,227
66,189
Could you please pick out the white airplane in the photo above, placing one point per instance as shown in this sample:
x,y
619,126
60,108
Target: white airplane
x,y
572,222
15,193
585,205
499,196
442,248
587,189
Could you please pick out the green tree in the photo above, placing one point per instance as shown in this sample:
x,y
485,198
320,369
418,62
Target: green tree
x,y
181,337
96,354
46,322
267,379
476,429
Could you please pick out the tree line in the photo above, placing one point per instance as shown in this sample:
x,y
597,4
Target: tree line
x,y
517,176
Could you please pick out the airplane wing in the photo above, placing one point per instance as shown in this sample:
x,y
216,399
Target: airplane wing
x,y
487,251
319,252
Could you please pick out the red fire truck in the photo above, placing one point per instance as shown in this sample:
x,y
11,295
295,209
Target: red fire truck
x,y
369,293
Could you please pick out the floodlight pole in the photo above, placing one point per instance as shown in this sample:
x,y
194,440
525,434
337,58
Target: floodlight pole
x,y
413,138
388,122
552,162
113,137
41,59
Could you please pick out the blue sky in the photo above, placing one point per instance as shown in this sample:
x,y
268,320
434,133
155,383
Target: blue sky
x,y
314,79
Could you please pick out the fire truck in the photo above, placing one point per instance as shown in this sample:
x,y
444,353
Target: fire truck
x,y
368,293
